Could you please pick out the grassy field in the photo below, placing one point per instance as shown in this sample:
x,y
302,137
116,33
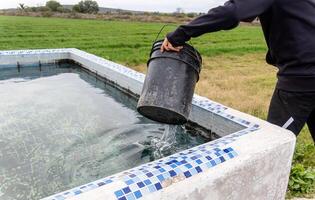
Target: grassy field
x,y
234,71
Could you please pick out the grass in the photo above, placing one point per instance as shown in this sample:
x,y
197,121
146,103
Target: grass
x,y
234,71
123,42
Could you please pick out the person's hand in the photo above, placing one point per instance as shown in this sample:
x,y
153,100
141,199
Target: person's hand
x,y
167,46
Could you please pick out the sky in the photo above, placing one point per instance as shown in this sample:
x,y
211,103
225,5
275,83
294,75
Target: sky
x,y
141,5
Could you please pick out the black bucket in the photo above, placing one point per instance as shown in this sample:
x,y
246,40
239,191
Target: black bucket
x,y
169,84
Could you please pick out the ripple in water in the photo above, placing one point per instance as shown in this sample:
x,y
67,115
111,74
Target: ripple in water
x,y
173,139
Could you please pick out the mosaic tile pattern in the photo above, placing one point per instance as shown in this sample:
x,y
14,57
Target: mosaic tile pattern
x,y
113,66
220,110
33,52
150,177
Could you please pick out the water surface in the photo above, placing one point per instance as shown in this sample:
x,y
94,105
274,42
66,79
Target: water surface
x,y
60,127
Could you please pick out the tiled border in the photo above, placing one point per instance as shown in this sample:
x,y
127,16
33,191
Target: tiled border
x,y
32,52
153,176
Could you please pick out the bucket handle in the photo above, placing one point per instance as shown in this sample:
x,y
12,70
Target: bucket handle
x,y
163,27
190,42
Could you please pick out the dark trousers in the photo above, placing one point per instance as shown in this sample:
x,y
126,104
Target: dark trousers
x,y
292,110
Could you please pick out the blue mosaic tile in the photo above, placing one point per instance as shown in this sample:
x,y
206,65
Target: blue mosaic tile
x,y
161,177
132,175
137,194
101,184
198,169
149,174
172,173
130,196
158,186
198,161
152,188
187,174
208,157
77,192
140,184
213,163
129,182
126,190
119,193
162,170
147,182
183,162
189,166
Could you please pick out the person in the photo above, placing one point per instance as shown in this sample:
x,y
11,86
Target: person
x,y
289,30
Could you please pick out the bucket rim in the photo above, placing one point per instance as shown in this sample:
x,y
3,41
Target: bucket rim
x,y
187,51
197,71
190,48
183,119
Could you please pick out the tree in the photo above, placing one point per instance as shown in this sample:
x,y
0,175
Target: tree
x,y
86,6
76,8
53,5
22,6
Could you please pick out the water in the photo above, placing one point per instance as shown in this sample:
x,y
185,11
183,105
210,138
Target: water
x,y
61,127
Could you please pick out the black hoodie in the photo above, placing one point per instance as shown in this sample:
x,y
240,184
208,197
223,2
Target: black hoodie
x,y
289,29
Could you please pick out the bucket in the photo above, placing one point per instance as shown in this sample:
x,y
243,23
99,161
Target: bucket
x,y
169,84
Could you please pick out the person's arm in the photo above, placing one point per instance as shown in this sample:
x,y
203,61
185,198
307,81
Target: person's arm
x,y
223,17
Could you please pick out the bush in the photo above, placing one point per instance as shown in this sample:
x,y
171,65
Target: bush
x,y
37,9
53,5
179,15
43,9
127,13
302,180
47,14
33,9
305,154
191,15
63,10
86,6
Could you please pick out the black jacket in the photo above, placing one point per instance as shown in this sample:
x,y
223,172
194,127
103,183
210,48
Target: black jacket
x,y
289,29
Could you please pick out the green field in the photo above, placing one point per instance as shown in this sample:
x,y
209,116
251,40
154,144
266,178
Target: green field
x,y
124,42
234,70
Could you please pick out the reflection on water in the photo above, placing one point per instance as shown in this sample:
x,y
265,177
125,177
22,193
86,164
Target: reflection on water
x,y
60,128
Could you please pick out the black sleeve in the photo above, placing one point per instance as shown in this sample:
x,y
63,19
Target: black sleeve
x,y
223,17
